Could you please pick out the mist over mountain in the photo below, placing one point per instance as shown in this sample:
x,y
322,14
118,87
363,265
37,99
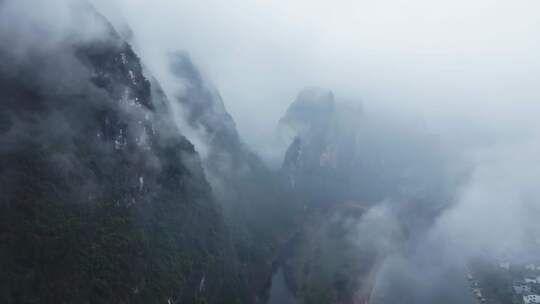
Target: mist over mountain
x,y
103,199
340,149
179,152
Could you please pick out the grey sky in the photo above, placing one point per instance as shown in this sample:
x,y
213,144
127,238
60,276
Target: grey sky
x,y
469,70
437,59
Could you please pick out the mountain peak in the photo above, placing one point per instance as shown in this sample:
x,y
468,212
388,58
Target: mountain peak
x,y
311,111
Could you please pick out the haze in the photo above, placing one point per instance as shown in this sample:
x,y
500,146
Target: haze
x,y
450,62
468,71
435,119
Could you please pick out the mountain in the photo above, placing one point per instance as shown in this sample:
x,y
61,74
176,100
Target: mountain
x,y
258,208
103,200
370,184
340,152
116,188
318,161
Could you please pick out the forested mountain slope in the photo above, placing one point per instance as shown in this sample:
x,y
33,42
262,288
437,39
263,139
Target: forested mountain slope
x,y
103,200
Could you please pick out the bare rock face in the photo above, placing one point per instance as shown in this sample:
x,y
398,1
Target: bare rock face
x,y
317,162
311,111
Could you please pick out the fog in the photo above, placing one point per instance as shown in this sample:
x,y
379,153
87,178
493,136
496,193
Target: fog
x,y
452,63
466,72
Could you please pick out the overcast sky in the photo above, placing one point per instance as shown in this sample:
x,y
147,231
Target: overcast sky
x,y
470,70
471,61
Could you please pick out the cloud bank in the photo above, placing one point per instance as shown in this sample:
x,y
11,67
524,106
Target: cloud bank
x,y
468,72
